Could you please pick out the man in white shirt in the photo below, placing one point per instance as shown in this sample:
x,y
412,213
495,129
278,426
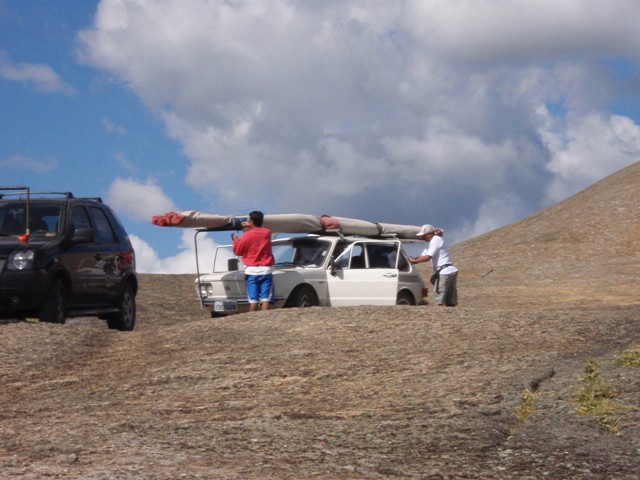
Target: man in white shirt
x,y
445,278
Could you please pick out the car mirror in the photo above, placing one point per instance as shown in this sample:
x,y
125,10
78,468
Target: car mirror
x,y
332,266
232,264
82,235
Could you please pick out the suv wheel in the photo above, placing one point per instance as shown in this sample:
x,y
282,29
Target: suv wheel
x,y
125,319
52,309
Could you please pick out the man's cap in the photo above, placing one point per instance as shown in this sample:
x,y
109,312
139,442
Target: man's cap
x,y
426,228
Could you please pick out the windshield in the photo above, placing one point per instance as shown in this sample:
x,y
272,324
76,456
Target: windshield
x,y
303,252
225,260
44,219
299,252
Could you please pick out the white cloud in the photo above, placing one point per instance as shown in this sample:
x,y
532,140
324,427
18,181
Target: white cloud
x,y
523,31
440,153
587,149
139,201
148,260
494,212
28,163
42,77
403,111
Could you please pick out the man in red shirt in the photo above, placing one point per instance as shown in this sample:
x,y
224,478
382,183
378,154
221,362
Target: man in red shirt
x,y
254,246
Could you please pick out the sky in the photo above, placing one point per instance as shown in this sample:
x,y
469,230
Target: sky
x,y
463,114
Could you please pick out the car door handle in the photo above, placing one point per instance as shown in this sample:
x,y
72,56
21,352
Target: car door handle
x,y
390,275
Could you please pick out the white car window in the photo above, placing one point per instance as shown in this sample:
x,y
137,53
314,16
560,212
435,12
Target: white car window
x,y
352,258
382,256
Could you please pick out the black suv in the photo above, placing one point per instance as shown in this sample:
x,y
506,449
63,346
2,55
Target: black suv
x,y
63,257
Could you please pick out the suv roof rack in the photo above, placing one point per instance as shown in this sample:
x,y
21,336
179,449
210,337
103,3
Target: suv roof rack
x,y
21,191
25,191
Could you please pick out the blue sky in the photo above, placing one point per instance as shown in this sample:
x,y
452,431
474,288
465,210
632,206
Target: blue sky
x,y
466,115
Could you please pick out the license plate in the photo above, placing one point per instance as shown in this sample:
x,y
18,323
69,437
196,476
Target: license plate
x,y
225,306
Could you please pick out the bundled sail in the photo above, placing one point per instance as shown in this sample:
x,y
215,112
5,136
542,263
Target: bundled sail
x,y
286,223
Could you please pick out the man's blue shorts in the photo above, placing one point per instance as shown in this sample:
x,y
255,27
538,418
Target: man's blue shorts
x,y
260,288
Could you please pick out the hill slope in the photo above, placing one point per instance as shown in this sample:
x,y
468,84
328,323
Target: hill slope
x,y
585,249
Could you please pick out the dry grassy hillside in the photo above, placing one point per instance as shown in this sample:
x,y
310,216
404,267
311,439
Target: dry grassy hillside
x,y
585,250
535,375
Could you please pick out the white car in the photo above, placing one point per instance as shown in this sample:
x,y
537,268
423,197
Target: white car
x,y
316,270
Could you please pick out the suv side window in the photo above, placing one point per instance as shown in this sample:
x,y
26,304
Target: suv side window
x,y
79,218
103,231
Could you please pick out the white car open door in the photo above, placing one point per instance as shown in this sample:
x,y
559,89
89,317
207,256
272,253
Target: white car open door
x,y
365,273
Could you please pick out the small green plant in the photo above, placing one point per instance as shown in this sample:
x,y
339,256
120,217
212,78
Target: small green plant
x,y
527,405
629,357
596,398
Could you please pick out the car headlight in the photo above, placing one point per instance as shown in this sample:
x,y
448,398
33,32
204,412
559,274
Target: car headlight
x,y
206,290
21,260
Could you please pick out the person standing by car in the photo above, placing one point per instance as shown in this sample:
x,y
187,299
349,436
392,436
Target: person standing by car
x,y
445,278
254,246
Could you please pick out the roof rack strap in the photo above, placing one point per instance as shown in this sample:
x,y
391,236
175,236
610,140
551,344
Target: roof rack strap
x,y
329,223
